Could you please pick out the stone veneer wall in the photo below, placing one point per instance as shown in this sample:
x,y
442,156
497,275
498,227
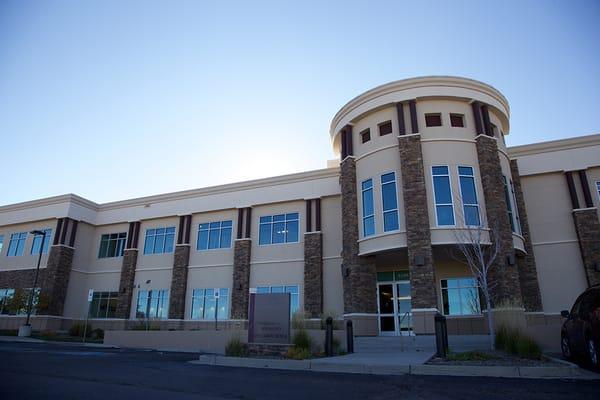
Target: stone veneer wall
x,y
418,235
530,287
241,279
20,278
56,280
313,274
126,283
359,274
503,276
588,232
181,261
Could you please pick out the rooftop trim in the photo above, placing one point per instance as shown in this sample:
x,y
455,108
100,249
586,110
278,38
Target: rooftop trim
x,y
554,145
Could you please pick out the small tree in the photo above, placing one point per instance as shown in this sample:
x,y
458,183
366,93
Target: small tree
x,y
479,247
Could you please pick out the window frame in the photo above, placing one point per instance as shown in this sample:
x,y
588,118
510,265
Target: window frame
x,y
203,299
509,204
47,240
434,114
165,235
462,198
5,295
397,209
598,189
381,124
271,223
435,205
220,230
362,199
462,119
162,299
365,133
460,297
118,241
1,243
104,295
18,239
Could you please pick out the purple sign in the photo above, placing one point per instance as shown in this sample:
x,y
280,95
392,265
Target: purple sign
x,y
269,318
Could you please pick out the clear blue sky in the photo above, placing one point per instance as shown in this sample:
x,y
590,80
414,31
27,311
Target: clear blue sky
x,y
118,99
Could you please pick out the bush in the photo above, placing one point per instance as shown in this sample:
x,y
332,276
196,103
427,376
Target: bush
x,y
302,340
297,353
236,348
298,320
77,330
98,333
513,341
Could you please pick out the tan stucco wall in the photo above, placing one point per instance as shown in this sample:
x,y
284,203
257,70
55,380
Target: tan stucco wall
x,y
27,260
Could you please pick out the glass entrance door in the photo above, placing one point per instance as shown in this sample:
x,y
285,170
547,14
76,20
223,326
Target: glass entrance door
x,y
394,302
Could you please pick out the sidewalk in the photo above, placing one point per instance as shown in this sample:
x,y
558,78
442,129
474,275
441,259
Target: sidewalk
x,y
19,339
393,365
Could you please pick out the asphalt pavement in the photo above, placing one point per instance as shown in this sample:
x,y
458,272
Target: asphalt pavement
x,y
58,371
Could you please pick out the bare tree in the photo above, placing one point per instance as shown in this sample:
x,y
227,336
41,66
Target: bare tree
x,y
479,247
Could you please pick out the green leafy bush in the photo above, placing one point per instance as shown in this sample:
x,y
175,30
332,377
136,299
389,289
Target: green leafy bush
x,y
78,329
297,353
236,348
513,341
302,340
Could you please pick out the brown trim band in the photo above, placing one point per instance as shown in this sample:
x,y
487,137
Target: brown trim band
x,y
412,105
572,191
63,233
248,221
587,195
308,215
240,222
73,233
129,235
477,116
318,215
485,114
401,124
188,228
58,231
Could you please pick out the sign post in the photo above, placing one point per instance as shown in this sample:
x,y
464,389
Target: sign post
x,y
87,315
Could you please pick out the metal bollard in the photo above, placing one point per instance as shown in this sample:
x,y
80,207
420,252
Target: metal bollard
x,y
349,337
441,336
329,337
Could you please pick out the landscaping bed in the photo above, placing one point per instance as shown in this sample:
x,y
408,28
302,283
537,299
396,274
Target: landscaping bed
x,y
492,358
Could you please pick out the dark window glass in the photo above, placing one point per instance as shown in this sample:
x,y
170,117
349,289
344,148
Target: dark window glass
x,y
433,119
385,128
457,120
365,135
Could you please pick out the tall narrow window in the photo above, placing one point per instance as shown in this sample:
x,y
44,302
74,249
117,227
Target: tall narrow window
x,y
390,202
468,193
367,207
442,190
515,208
509,205
1,242
16,244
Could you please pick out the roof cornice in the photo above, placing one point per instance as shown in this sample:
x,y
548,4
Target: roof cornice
x,y
554,145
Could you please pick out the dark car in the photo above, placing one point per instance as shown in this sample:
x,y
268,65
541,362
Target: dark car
x,y
580,333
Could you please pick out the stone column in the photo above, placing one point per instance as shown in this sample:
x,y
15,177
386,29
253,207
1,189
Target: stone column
x,y
359,273
530,287
58,270
503,276
127,280
418,235
416,215
313,261
588,233
242,252
181,260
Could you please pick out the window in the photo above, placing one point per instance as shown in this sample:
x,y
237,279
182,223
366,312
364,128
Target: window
x,y
292,290
494,130
468,193
390,202
281,228
214,235
159,240
16,244
444,210
112,245
460,296
509,204
152,304
515,208
37,242
206,301
5,296
365,135
385,128
433,120
367,207
457,120
1,242
104,305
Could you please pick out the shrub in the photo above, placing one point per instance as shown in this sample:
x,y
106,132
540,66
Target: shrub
x,y
513,341
98,333
302,340
335,345
236,348
298,321
77,330
297,353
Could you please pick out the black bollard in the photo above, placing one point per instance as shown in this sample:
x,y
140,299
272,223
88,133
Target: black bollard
x,y
329,336
349,337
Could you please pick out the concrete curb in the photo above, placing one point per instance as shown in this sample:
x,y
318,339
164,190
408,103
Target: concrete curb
x,y
566,372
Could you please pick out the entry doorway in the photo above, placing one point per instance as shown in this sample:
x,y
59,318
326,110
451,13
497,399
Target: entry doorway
x,y
395,309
